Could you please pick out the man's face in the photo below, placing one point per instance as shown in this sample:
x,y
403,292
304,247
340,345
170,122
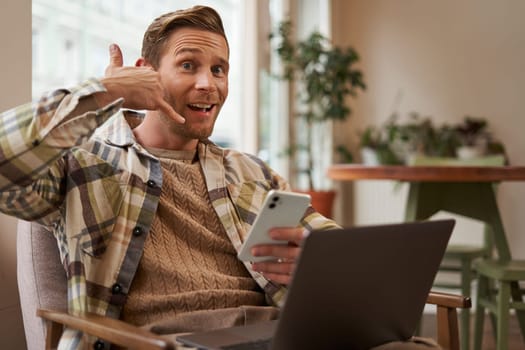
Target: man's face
x,y
194,72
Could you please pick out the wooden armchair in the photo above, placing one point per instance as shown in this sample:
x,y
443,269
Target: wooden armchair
x,y
125,335
42,285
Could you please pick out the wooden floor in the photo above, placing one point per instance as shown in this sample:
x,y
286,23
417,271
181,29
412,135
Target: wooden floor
x,y
516,341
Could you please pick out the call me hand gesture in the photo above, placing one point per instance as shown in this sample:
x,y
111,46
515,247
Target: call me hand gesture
x,y
140,87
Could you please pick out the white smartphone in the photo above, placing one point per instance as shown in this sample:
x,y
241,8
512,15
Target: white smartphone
x,y
280,209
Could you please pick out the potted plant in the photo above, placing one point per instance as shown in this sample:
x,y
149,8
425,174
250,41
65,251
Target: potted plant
x,y
376,146
324,76
473,137
419,136
399,142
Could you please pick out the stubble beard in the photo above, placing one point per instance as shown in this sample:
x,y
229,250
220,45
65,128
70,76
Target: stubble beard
x,y
187,131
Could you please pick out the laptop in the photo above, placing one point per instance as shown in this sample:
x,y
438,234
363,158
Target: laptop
x,y
353,288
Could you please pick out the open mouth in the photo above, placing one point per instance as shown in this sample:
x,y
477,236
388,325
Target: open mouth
x,y
200,107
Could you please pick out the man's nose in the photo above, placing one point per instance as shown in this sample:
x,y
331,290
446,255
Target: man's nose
x,y
205,81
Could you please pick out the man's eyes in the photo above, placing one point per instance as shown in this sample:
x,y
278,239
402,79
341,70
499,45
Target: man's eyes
x,y
218,70
191,66
187,65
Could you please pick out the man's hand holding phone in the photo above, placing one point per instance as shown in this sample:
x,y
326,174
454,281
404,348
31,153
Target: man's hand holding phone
x,y
279,269
273,243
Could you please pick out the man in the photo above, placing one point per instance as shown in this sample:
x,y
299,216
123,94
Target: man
x,y
148,213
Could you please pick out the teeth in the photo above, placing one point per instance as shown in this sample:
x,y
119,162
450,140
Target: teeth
x,y
203,106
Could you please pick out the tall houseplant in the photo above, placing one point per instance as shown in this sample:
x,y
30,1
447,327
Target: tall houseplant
x,y
324,76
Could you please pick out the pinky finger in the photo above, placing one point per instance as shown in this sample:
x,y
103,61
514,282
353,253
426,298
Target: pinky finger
x,y
278,278
170,112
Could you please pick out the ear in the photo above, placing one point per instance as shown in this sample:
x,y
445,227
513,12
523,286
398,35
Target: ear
x,y
141,62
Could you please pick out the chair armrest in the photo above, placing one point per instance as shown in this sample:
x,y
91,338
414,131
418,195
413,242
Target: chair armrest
x,y
449,300
114,331
447,317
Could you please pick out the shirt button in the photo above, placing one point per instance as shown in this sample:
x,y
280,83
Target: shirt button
x,y
137,231
98,345
151,183
116,289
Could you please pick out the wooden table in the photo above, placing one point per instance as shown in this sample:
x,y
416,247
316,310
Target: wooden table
x,y
464,190
461,174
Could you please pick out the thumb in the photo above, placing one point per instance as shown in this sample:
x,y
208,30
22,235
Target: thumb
x,y
115,56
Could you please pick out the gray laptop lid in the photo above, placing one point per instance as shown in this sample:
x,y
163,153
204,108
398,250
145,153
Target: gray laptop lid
x,y
359,287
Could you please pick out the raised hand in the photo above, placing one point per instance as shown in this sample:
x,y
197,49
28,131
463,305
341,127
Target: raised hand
x,y
140,87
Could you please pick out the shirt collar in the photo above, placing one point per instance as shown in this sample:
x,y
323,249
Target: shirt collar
x,y
119,130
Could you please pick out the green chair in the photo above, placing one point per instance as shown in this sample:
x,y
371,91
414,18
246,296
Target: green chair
x,y
499,292
458,259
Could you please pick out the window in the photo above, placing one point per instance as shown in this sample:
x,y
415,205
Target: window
x,y
276,108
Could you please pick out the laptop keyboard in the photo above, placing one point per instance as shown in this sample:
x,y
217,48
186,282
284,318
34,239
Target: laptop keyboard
x,y
260,344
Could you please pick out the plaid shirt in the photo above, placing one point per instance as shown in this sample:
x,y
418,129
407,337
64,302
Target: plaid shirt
x,y
89,180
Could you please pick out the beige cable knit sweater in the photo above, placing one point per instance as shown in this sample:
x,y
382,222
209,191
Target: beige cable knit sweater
x,y
189,264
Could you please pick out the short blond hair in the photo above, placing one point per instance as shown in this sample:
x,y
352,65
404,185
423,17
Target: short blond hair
x,y
199,17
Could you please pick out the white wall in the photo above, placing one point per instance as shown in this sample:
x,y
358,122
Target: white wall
x,y
15,88
444,59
